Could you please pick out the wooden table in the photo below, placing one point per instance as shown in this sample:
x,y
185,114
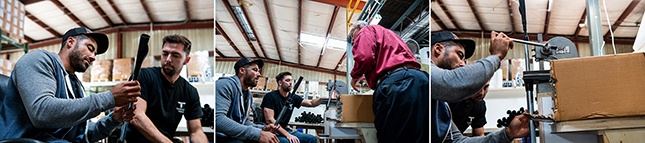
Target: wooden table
x,y
319,128
183,131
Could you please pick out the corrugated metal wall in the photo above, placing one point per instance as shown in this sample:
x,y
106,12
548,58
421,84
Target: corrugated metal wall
x,y
271,70
202,39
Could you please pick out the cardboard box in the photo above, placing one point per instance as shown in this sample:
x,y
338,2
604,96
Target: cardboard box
x,y
272,84
13,17
198,64
356,108
301,88
147,62
262,81
599,87
101,71
122,69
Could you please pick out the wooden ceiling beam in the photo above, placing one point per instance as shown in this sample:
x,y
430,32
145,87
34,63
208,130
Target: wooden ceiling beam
x,y
118,12
275,40
450,17
582,20
187,7
622,17
146,10
474,10
510,15
257,38
43,25
239,26
329,29
104,16
340,61
438,20
68,13
548,18
228,39
220,53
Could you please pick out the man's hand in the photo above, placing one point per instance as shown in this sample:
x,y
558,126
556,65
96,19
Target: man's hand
x,y
293,139
126,92
271,128
519,127
499,44
355,80
121,114
268,137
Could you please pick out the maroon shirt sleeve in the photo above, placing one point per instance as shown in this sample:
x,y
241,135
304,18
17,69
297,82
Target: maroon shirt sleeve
x,y
363,51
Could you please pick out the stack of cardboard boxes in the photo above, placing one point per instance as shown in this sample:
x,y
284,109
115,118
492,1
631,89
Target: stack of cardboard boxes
x,y
101,71
6,67
121,69
12,18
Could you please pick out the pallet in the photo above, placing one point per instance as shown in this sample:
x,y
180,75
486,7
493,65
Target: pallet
x,y
100,80
121,79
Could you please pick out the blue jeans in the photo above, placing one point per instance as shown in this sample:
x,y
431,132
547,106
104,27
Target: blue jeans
x,y
304,138
401,107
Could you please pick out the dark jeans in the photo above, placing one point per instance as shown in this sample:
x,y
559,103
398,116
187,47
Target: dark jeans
x,y
304,138
401,107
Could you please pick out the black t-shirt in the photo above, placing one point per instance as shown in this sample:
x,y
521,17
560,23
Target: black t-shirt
x,y
273,100
467,113
166,103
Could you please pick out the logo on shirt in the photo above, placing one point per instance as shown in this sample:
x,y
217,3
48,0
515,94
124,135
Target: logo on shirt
x,y
180,107
470,121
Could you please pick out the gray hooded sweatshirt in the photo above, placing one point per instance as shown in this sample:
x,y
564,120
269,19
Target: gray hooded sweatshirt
x,y
232,110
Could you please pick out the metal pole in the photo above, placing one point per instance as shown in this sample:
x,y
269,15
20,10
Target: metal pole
x,y
541,63
595,28
528,42
350,65
529,97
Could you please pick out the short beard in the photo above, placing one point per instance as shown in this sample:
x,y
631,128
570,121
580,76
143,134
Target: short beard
x,y
169,72
250,81
445,63
77,61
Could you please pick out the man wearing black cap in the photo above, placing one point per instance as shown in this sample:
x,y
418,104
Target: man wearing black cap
x,y
452,84
46,101
233,105
166,97
400,100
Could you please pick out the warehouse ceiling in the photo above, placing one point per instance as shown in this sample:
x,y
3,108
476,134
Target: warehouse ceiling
x,y
295,31
50,19
551,17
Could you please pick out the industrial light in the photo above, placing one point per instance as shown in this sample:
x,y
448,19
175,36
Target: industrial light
x,y
317,40
243,22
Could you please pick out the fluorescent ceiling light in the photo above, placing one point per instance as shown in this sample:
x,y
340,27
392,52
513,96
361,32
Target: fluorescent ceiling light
x,y
243,22
319,41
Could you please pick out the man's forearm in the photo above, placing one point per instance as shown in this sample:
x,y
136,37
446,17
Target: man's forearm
x,y
478,131
149,130
101,129
316,101
283,132
463,82
198,137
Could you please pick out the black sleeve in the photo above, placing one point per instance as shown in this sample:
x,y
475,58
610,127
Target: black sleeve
x,y
480,115
297,100
145,81
193,107
267,101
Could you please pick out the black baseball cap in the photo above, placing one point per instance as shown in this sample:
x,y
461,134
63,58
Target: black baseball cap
x,y
100,38
245,61
469,45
